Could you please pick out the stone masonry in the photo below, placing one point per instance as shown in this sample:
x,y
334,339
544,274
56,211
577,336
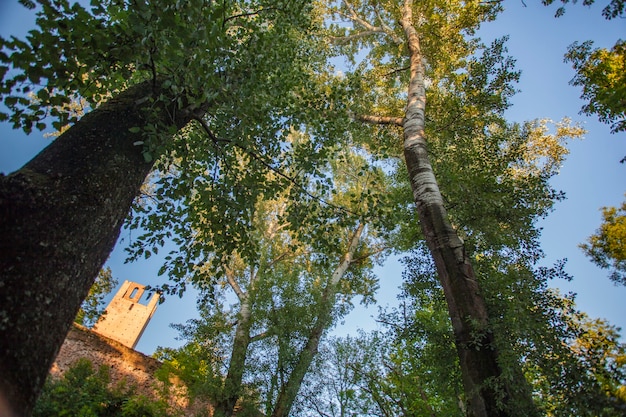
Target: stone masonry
x,y
127,315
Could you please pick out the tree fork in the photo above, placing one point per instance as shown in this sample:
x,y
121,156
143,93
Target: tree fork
x,y
60,216
289,391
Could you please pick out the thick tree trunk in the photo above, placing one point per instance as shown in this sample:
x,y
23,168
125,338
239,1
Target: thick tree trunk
x,y
60,216
478,355
289,391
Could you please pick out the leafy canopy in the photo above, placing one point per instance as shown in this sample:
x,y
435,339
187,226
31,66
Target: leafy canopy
x,y
602,74
607,247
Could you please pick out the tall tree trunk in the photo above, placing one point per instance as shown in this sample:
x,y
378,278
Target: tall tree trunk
x,y
60,216
478,355
289,391
231,390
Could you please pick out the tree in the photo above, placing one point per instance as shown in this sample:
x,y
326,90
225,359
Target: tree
x,y
575,365
86,391
62,212
600,72
311,257
607,247
545,334
614,9
377,374
427,47
599,347
92,308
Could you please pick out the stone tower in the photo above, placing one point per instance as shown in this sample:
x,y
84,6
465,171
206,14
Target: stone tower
x,y
128,314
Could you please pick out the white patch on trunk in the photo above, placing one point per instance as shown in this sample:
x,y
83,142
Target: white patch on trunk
x,y
426,188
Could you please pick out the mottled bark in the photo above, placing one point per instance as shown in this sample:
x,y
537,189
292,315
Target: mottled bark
x,y
290,389
478,355
60,216
231,390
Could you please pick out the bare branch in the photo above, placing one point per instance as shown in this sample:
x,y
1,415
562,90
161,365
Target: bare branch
x,y
261,336
341,40
248,14
230,277
396,71
367,255
381,120
370,29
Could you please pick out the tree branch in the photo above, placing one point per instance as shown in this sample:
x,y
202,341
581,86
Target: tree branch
x,y
396,71
370,29
381,120
248,14
261,336
230,277
367,255
342,40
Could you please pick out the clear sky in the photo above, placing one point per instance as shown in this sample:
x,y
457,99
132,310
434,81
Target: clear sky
x,y
591,177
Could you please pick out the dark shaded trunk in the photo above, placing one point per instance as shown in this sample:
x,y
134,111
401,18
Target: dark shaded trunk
x,y
60,216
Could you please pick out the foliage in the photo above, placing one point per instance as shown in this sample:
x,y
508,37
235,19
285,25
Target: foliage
x,y
600,71
200,362
607,247
614,9
86,392
387,373
601,74
575,365
247,148
296,274
93,306
599,346
247,81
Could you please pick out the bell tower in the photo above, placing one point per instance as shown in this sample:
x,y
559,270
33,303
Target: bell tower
x,y
128,314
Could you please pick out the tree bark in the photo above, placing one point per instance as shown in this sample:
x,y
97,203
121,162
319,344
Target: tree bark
x,y
231,390
289,391
60,216
478,355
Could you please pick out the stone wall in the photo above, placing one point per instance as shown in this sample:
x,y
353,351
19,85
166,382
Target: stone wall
x,y
125,364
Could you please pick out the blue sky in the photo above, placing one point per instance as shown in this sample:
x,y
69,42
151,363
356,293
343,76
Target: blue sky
x,y
591,177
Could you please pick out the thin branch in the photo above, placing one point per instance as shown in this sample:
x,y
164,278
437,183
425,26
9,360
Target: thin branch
x,y
248,14
261,336
381,120
342,40
367,255
396,39
371,29
230,277
388,323
313,401
278,259
396,71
